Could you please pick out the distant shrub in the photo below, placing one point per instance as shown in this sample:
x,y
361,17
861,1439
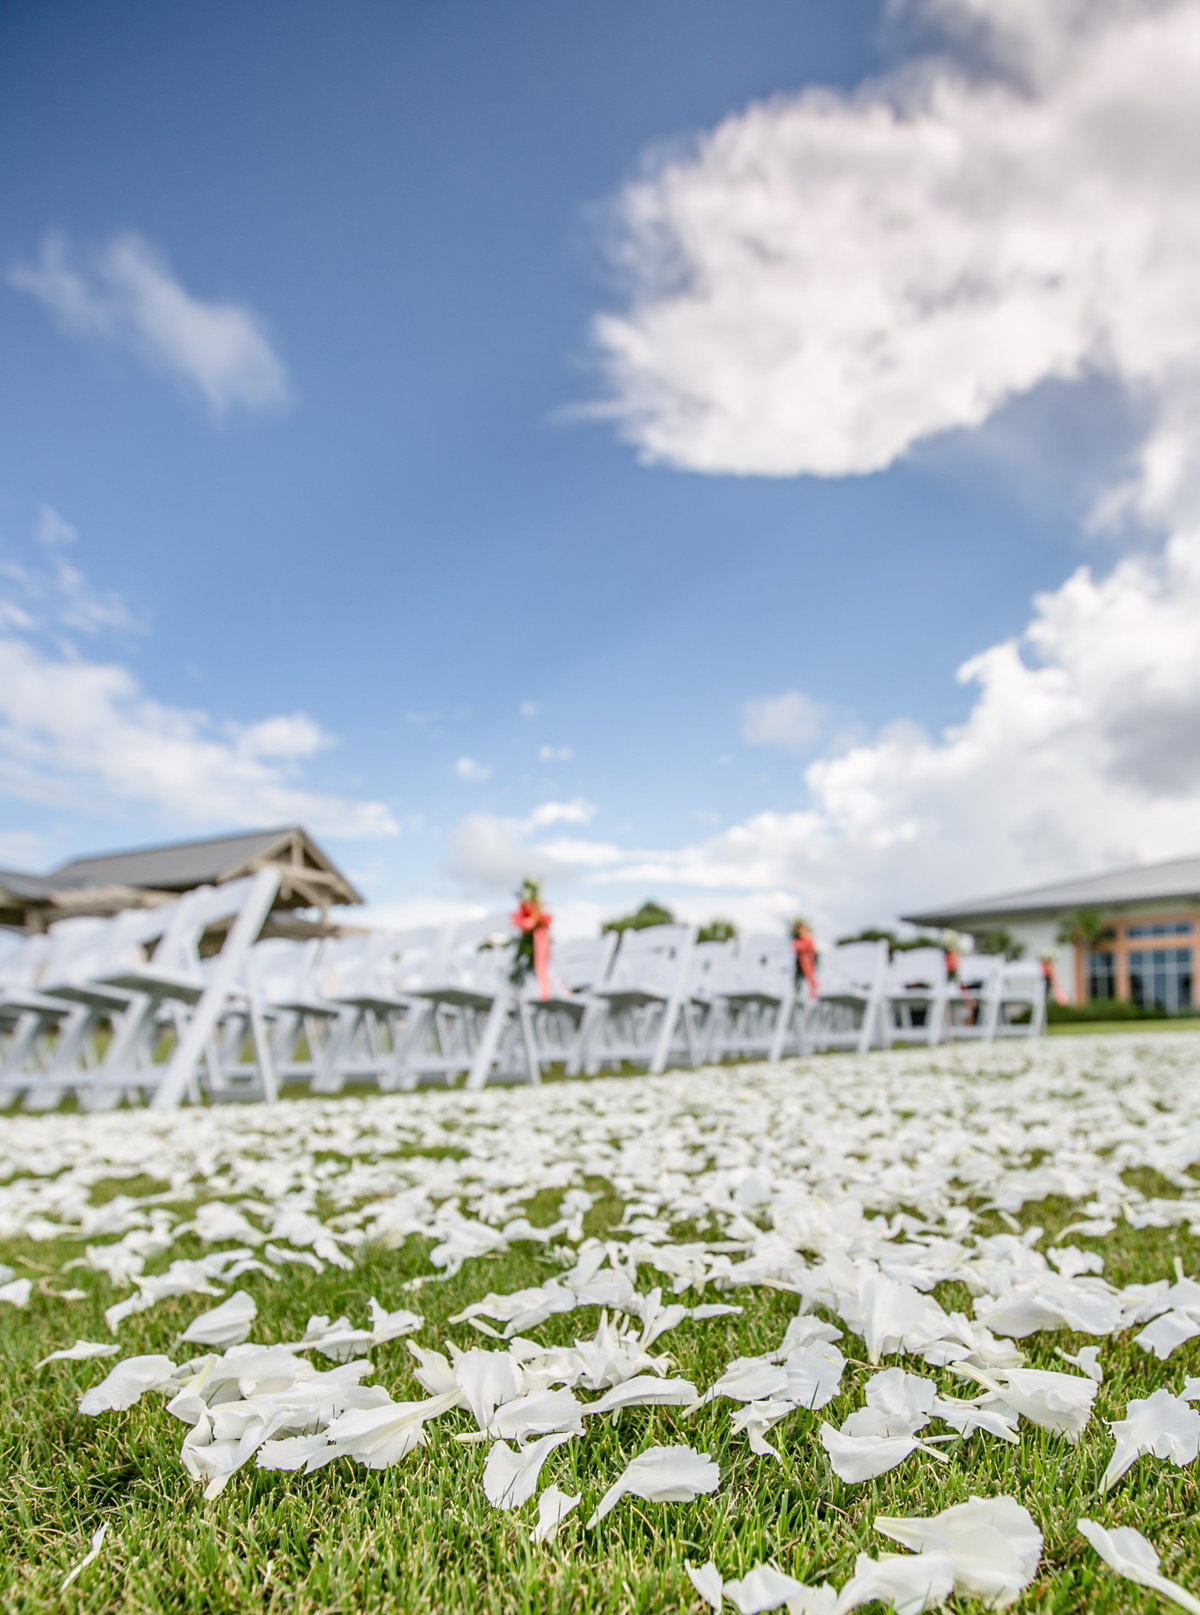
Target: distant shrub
x,y
1106,1009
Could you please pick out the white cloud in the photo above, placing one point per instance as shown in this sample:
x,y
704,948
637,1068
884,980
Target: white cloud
x,y
555,754
825,281
81,732
791,720
576,811
125,293
530,709
474,772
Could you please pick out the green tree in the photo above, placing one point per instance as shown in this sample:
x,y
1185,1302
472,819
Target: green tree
x,y
1087,930
650,913
999,942
717,931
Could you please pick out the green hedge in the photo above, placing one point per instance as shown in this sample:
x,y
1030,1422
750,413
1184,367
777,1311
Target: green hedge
x,y
1105,1009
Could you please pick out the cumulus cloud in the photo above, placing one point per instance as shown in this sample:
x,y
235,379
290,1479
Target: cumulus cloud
x,y
473,771
792,721
80,729
126,293
555,754
826,280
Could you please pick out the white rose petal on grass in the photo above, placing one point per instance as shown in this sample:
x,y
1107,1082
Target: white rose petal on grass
x,y
907,1585
125,1384
645,1390
898,1404
80,1352
1058,1402
1129,1553
763,1588
510,1475
391,1325
380,1436
17,1292
226,1325
991,1542
92,1553
662,1475
553,1508
1087,1360
1161,1424
858,1458
750,1379
538,1414
706,1579
1167,1333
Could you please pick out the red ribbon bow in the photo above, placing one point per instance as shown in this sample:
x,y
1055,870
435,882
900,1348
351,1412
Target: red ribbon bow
x,y
532,918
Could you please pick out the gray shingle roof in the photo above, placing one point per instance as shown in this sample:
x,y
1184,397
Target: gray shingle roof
x,y
20,884
177,867
1178,878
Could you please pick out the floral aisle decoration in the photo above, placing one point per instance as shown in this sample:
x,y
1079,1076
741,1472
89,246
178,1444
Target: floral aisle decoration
x,y
1050,975
804,946
531,946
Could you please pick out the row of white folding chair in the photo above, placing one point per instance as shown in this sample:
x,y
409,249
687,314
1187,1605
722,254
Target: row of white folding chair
x,y
753,999
95,974
997,997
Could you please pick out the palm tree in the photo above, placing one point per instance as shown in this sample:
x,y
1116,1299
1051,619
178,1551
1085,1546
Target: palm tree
x,y
1087,930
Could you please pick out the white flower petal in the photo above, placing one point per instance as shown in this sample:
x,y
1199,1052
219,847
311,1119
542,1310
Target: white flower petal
x,y
510,1475
1129,1553
92,1553
553,1508
662,1475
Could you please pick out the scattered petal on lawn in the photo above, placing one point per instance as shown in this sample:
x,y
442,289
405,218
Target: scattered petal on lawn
x,y
380,1436
706,1579
1058,1402
125,1384
510,1475
391,1325
858,1458
908,1585
1168,1332
226,1325
898,1404
645,1390
17,1292
79,1353
1128,1553
92,1553
763,1588
662,1475
538,1414
1161,1424
992,1544
553,1508
1087,1360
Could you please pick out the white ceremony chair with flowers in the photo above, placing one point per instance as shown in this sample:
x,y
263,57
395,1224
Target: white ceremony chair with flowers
x,y
916,991
757,1007
973,998
577,966
642,1014
460,1025
850,1011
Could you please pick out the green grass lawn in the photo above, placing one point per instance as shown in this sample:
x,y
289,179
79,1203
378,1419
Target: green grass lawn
x,y
421,1537
1175,1023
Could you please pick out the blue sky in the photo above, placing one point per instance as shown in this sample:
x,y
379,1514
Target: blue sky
x,y
324,495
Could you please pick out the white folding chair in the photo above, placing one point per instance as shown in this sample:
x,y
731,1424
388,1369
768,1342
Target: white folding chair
x,y
641,1013
973,1000
372,980
758,1005
32,1018
915,992
462,1024
75,976
194,995
577,965
850,1011
1021,1000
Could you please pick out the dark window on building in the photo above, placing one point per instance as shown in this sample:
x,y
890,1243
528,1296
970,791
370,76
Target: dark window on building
x,y
1162,928
1161,976
1102,975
